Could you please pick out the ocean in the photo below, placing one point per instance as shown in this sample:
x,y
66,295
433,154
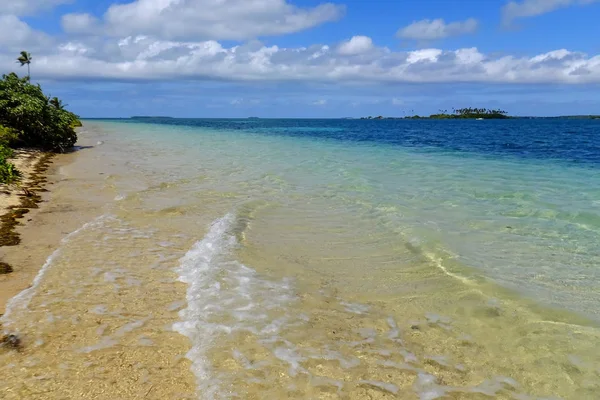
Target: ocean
x,y
322,259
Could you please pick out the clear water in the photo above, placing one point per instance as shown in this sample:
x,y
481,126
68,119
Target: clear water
x,y
516,202
331,259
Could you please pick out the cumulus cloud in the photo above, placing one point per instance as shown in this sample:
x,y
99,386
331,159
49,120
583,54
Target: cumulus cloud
x,y
29,7
80,23
207,19
356,45
147,58
532,8
15,35
428,29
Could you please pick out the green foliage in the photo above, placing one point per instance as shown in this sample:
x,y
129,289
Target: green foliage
x,y
470,113
38,122
8,136
8,172
6,152
57,103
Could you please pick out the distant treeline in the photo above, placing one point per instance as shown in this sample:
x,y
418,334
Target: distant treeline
x,y
457,113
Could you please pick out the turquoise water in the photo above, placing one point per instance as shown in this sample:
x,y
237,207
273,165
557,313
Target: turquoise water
x,y
319,259
512,202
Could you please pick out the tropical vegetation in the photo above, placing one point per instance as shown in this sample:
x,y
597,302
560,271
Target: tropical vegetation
x,y
457,113
30,118
25,59
470,113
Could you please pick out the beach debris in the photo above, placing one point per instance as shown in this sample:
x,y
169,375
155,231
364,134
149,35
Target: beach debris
x,y
29,198
5,268
11,341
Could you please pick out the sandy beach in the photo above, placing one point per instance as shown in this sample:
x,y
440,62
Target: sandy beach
x,y
79,190
44,222
19,204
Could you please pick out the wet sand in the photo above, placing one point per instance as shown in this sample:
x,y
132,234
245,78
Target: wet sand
x,y
79,192
24,262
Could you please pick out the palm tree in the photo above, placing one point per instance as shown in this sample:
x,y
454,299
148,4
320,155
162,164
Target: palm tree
x,y
25,58
57,103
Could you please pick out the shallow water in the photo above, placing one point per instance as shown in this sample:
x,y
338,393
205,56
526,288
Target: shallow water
x,y
321,259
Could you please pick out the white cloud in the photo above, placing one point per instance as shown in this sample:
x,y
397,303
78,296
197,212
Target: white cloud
x,y
147,58
356,45
208,19
532,8
321,102
16,35
80,23
74,48
426,55
29,7
428,29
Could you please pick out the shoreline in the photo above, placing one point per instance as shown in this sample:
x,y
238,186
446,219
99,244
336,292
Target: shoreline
x,y
20,205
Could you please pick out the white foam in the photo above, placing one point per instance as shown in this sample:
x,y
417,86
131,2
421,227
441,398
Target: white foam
x,y
20,302
355,308
112,340
332,355
105,343
225,296
427,387
290,356
394,332
145,341
99,309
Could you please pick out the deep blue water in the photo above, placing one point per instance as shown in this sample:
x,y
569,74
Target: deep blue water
x,y
565,140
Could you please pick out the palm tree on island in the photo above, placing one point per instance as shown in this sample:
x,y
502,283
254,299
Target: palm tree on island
x,y
25,59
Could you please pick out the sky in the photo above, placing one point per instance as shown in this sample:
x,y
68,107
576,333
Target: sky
x,y
308,58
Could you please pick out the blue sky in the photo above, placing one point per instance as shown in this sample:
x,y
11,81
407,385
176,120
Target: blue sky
x,y
308,58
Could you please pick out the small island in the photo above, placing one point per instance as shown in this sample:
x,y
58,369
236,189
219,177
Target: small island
x,y
457,113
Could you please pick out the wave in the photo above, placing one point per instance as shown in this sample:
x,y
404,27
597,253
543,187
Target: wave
x,y
20,302
248,333
224,296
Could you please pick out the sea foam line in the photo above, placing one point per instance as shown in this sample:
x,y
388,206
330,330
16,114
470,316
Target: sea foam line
x,y
21,301
224,296
197,270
